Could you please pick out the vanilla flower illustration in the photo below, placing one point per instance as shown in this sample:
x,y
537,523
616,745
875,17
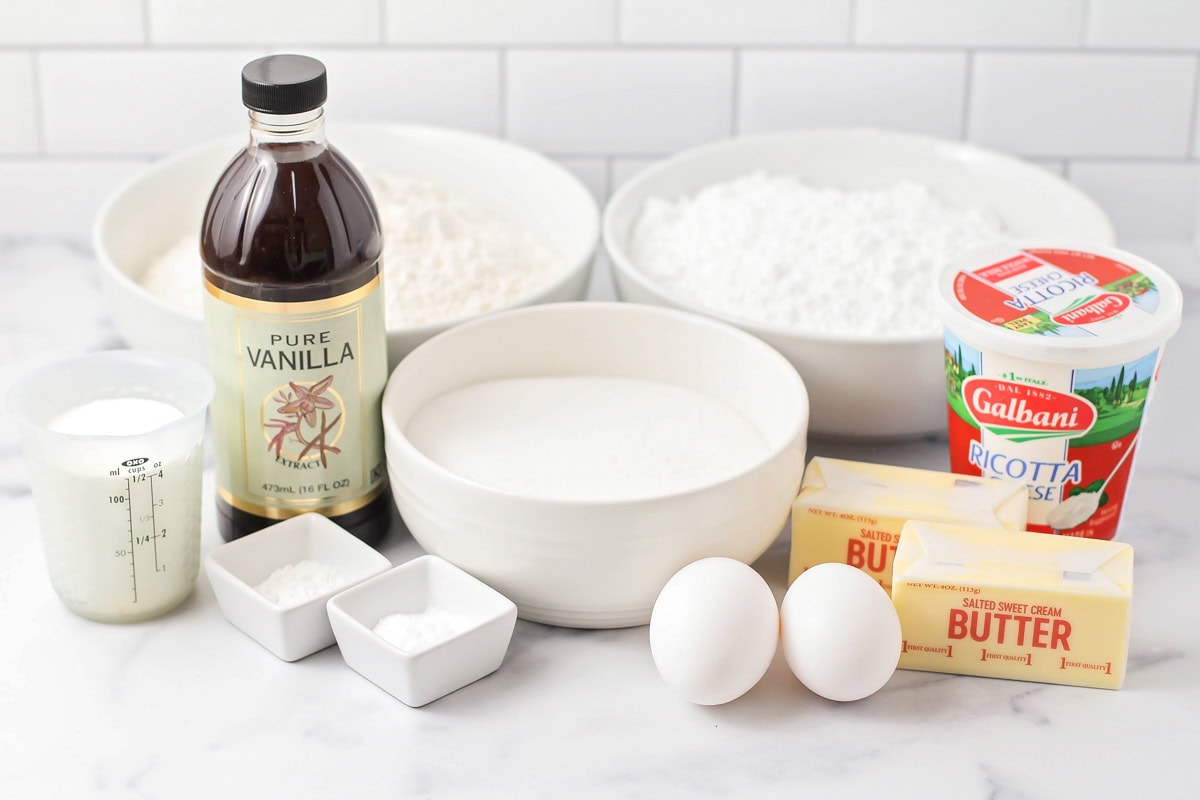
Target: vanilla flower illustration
x,y
308,399
284,427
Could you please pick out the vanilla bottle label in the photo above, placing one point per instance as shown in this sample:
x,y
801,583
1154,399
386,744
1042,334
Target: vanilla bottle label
x,y
297,407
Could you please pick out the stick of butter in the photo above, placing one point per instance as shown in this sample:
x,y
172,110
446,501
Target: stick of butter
x,y
852,512
1003,604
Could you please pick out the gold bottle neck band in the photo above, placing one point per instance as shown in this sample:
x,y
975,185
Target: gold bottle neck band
x,y
301,307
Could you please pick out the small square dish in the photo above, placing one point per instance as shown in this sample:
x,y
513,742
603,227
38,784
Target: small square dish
x,y
444,629
300,628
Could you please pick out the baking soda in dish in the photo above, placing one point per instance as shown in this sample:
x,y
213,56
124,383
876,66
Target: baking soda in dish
x,y
585,438
771,249
443,258
295,583
413,633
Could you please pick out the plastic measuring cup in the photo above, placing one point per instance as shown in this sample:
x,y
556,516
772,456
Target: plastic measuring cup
x,y
119,513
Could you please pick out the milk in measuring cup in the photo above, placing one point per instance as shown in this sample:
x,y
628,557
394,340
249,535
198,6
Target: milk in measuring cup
x,y
1051,359
143,493
114,445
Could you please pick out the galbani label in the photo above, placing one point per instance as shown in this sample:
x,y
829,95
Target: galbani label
x,y
1023,413
1093,309
1069,433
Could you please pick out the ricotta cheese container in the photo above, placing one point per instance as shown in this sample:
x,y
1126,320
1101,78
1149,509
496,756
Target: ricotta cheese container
x,y
1051,359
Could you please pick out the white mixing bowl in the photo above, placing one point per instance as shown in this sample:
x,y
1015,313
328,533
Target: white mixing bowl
x,y
866,387
156,208
597,564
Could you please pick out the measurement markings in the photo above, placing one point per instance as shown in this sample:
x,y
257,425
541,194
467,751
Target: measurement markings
x,y
153,525
132,551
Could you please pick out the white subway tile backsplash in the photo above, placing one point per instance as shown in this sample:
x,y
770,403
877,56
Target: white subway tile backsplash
x,y
1083,104
1144,23
735,21
139,102
1056,165
593,172
920,92
1145,201
256,22
500,21
451,88
969,23
36,22
19,131
1105,92
601,286
592,102
58,197
1196,129
625,168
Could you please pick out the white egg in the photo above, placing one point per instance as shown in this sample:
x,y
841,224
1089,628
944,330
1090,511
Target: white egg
x,y
714,630
841,633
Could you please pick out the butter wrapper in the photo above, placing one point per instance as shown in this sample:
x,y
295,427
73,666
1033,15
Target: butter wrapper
x,y
1018,605
852,512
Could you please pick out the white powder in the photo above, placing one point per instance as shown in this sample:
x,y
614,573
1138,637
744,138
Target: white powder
x,y
175,277
442,259
771,249
413,633
296,583
585,438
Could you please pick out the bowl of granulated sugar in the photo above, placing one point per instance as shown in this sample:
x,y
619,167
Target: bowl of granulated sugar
x,y
575,456
827,244
471,225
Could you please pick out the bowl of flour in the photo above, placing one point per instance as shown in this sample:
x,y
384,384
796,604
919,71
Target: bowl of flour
x,y
827,244
471,225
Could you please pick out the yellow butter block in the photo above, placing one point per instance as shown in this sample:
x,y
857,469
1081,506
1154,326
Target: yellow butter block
x,y
851,512
1003,604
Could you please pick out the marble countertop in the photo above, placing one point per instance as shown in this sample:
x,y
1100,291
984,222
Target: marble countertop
x,y
187,706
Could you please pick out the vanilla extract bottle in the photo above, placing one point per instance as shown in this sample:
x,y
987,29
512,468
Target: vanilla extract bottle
x,y
293,313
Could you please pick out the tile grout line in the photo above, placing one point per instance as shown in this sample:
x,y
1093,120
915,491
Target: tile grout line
x,y
616,28
502,95
587,47
39,104
383,37
88,159
1191,149
146,21
964,129
1089,160
851,22
735,105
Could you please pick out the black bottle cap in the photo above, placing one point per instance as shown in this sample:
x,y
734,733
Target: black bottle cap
x,y
283,84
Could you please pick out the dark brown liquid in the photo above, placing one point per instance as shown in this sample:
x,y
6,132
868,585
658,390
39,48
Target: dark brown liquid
x,y
288,223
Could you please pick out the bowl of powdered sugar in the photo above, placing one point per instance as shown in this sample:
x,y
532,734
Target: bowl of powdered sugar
x,y
471,225
827,244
